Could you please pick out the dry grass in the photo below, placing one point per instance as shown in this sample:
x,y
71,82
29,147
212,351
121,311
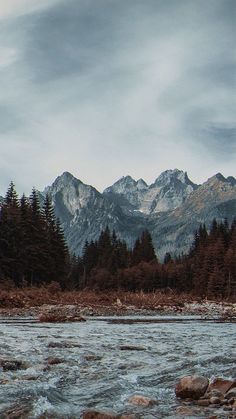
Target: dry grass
x,y
52,295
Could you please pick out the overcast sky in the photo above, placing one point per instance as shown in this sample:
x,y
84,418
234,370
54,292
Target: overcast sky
x,y
106,88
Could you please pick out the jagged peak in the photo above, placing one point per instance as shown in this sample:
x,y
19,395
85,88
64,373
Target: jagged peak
x,y
126,179
65,177
218,177
141,184
62,181
172,174
121,184
231,180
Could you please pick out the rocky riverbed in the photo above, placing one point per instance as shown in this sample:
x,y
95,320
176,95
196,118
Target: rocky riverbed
x,y
80,311
123,369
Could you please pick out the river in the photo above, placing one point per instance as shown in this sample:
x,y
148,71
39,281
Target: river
x,y
99,370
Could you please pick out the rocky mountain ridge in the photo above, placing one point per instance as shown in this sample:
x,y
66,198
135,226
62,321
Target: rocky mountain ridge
x,y
168,192
171,208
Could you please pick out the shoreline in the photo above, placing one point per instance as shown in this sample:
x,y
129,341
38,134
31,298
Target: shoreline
x,y
88,305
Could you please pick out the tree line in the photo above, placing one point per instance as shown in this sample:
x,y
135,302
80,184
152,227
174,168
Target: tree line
x,y
208,270
33,251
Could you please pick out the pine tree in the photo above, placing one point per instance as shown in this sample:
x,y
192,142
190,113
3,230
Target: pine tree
x,y
10,236
143,249
38,254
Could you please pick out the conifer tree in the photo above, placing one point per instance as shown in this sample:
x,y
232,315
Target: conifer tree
x,y
10,235
143,249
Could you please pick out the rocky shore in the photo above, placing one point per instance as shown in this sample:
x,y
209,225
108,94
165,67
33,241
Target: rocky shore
x,y
80,311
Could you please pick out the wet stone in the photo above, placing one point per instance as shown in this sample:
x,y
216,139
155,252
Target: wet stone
x,y
214,393
185,411
227,408
12,365
231,401
215,400
17,411
30,377
92,357
54,361
222,385
214,405
142,401
64,345
231,393
203,402
224,402
131,348
192,386
93,414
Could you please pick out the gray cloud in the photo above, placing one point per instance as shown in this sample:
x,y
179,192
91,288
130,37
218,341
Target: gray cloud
x,y
221,140
114,87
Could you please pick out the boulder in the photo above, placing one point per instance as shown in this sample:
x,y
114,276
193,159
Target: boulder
x,y
142,401
191,386
222,385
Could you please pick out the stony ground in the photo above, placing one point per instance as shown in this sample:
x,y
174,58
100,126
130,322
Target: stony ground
x,y
51,304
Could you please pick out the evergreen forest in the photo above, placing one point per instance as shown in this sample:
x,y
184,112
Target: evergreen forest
x,y
33,252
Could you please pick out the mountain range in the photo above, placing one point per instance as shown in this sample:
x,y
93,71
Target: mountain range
x,y
171,208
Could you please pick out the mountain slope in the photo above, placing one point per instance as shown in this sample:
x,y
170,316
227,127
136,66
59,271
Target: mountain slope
x,y
168,192
84,213
215,198
171,208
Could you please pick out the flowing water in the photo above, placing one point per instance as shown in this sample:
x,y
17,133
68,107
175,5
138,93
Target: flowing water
x,y
100,371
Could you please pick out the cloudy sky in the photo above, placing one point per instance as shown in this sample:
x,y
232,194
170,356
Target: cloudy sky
x,y
106,88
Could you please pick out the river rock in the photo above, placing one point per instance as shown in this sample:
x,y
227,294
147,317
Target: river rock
x,y
131,348
59,317
92,357
142,400
231,393
63,344
227,408
192,386
213,393
222,385
18,411
231,401
215,400
203,402
54,361
185,411
12,365
95,414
